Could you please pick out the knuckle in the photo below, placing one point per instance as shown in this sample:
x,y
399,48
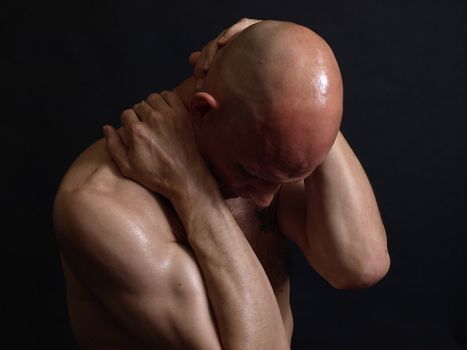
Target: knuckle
x,y
153,115
153,96
137,129
110,146
198,67
126,114
211,47
167,94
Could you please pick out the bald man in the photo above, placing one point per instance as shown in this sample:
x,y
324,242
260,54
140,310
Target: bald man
x,y
173,237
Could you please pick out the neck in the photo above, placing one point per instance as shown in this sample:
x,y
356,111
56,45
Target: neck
x,y
185,90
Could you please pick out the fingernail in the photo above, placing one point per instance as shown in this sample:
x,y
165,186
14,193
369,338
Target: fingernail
x,y
199,83
205,64
104,130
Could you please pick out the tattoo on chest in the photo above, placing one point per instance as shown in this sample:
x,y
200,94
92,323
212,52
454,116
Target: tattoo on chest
x,y
267,219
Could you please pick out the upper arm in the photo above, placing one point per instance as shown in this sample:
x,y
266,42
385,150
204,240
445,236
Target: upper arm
x,y
292,213
150,285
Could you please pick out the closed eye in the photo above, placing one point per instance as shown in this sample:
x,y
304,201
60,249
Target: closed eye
x,y
250,177
245,173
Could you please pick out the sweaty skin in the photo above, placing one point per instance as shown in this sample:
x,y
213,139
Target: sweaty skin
x,y
175,271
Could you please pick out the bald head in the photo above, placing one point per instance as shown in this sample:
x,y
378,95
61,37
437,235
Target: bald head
x,y
280,83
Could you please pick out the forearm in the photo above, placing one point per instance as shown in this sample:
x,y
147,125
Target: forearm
x,y
242,298
345,234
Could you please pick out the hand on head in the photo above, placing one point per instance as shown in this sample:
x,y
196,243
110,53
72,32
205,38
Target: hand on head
x,y
280,79
271,100
202,60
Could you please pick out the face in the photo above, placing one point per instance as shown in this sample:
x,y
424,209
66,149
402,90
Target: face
x,y
236,181
238,170
241,183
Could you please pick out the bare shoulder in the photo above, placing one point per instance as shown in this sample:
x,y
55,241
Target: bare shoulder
x,y
125,245
103,221
93,184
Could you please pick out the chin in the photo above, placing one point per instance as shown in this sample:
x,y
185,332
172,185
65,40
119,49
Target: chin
x,y
261,204
228,193
261,201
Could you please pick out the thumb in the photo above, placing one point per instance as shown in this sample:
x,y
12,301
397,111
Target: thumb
x,y
116,148
194,57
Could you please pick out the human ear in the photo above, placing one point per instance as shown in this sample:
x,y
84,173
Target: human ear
x,y
202,103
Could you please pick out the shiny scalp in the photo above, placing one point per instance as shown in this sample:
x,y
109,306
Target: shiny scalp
x,y
280,82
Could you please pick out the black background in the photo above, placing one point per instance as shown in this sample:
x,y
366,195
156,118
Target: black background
x,y
70,67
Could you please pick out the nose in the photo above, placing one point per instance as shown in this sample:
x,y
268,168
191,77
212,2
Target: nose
x,y
263,199
262,202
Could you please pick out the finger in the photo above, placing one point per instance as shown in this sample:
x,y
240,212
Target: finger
x,y
128,117
199,84
236,28
173,100
122,133
198,69
221,35
204,63
116,149
194,56
211,50
143,110
157,102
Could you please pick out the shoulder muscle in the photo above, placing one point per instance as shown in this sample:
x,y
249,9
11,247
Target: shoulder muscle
x,y
151,284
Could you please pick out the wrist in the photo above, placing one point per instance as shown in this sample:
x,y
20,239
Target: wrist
x,y
194,194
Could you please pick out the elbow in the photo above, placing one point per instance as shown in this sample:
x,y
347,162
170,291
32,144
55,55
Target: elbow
x,y
369,274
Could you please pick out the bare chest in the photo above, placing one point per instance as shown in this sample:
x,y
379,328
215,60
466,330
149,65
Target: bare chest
x,y
261,230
